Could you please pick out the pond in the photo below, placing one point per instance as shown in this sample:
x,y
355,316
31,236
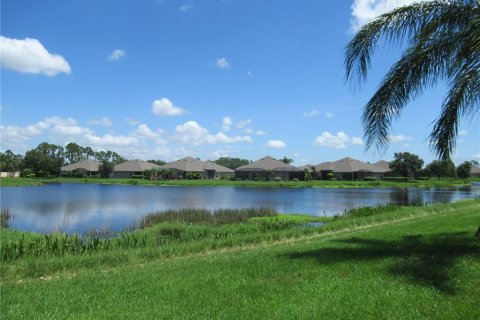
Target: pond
x,y
75,208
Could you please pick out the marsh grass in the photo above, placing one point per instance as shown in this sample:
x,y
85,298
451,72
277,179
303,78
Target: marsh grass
x,y
219,216
5,219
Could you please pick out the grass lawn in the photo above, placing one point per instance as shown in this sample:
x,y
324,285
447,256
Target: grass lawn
x,y
406,263
400,183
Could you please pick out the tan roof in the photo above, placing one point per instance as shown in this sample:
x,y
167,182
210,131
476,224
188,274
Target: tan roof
x,y
349,165
267,163
135,166
190,164
382,164
307,166
88,165
475,170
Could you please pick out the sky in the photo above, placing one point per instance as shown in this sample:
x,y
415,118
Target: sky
x,y
166,79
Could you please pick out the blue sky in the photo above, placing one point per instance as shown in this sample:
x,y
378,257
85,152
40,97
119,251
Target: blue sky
x,y
165,79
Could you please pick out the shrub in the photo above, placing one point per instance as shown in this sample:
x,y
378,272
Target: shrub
x,y
370,179
330,176
193,176
278,179
137,176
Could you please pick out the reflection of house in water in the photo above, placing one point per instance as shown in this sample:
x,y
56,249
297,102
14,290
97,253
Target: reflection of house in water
x,y
206,169
87,167
268,168
351,169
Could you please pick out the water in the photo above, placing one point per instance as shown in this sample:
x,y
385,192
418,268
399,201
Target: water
x,y
78,207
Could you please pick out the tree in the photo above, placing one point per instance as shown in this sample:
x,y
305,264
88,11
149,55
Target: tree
x,y
74,152
45,160
475,163
441,168
232,163
464,170
108,160
443,38
157,162
406,164
287,160
10,162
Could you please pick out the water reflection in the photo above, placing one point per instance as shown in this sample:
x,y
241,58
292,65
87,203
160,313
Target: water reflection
x,y
74,208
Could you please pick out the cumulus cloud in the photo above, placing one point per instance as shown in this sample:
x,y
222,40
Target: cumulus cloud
x,y
186,7
339,141
192,133
244,123
109,140
260,133
226,123
312,113
276,144
144,131
398,138
328,114
164,107
116,55
104,122
222,63
364,11
30,56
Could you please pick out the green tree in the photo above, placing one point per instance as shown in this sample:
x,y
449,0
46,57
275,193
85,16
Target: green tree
x,y
464,170
74,152
287,160
443,44
157,162
232,163
45,160
441,168
406,164
10,162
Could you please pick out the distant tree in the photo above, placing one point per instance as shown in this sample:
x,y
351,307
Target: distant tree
x,y
464,170
232,163
108,160
307,176
157,162
314,172
287,160
105,167
74,152
406,164
10,162
45,160
475,163
441,168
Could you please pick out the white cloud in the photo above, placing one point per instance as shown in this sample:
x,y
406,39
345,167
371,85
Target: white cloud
x,y
222,63
462,133
244,123
144,131
132,122
364,11
357,141
260,133
338,141
312,113
30,56
104,122
191,132
164,107
276,144
227,123
328,114
476,155
398,138
109,140
186,7
116,55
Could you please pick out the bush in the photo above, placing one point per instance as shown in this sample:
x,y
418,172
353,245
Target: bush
x,y
278,179
370,179
137,176
330,176
193,176
423,178
295,179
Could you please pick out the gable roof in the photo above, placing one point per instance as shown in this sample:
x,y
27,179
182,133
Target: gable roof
x,y
267,163
135,166
190,164
87,165
349,165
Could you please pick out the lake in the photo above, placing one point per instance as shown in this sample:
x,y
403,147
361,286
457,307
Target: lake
x,y
75,208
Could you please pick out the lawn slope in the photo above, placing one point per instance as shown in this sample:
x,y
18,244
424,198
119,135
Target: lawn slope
x,y
415,263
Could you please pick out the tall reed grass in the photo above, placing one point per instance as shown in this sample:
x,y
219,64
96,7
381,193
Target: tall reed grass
x,y
5,219
219,216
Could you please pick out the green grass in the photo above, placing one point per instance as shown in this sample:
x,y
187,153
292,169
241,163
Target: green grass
x,y
388,263
401,183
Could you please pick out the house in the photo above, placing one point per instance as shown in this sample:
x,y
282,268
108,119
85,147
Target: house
x,y
475,172
206,169
382,164
87,167
132,168
268,168
350,169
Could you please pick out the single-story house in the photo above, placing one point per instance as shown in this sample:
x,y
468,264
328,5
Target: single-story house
x,y
475,172
206,169
87,167
350,169
268,168
382,164
131,168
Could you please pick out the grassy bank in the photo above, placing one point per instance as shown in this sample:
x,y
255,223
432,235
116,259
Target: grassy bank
x,y
400,183
410,262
